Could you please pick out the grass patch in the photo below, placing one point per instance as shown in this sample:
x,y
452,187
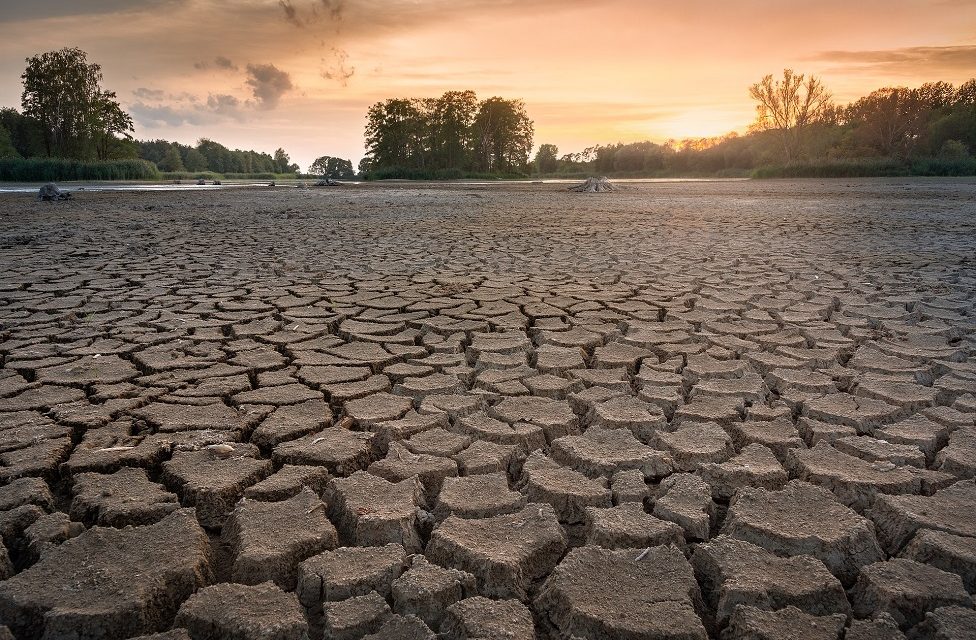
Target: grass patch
x,y
63,170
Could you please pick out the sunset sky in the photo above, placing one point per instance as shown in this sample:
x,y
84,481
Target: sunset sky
x,y
300,74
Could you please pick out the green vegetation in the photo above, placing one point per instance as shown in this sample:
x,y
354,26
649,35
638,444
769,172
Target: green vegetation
x,y
210,156
447,137
53,169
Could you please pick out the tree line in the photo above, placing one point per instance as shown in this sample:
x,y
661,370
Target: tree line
x,y
449,136
800,130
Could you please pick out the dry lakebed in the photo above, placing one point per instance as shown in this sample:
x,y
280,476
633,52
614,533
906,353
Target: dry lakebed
x,y
727,409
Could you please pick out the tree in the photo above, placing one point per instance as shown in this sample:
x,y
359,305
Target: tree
x,y
502,136
25,133
62,92
789,106
890,121
108,122
936,95
451,117
330,167
966,94
395,130
7,149
219,158
172,161
282,163
546,158
193,160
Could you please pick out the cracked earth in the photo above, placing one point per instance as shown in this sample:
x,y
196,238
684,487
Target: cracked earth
x,y
681,410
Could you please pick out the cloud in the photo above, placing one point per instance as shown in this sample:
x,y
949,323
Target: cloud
x,y
161,115
149,94
338,68
335,8
908,61
14,11
185,109
268,84
224,104
291,13
222,62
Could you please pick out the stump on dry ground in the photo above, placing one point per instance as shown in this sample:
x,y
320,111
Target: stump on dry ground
x,y
50,192
594,185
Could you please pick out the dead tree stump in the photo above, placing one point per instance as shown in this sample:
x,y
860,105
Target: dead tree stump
x,y
593,185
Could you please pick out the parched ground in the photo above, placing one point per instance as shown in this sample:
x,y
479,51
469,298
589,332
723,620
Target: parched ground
x,y
680,410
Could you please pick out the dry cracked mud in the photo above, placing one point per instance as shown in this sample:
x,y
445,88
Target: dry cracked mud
x,y
473,411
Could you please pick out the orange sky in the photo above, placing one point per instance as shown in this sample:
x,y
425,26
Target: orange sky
x,y
590,71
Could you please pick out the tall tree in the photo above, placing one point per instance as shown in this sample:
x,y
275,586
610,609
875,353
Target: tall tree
x,y
546,158
395,132
891,121
502,135
62,92
193,160
282,163
107,123
172,161
451,117
788,107
966,94
936,95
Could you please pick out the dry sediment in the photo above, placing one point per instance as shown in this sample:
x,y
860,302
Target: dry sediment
x,y
479,412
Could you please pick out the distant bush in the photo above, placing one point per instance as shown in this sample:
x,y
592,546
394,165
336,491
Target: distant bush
x,y
63,170
953,150
836,169
965,166
871,168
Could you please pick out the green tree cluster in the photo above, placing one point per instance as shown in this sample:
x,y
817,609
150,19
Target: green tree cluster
x,y
452,133
76,118
331,167
212,156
